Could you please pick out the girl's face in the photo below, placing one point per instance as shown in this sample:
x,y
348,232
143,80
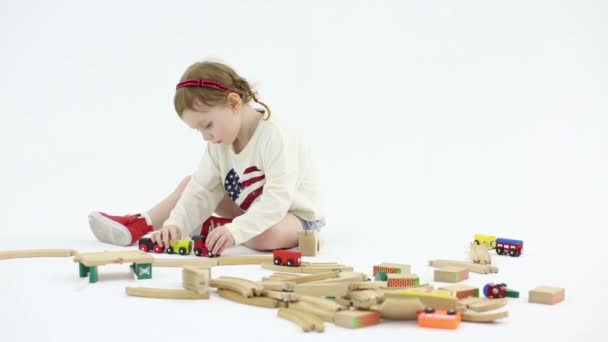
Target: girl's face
x,y
218,124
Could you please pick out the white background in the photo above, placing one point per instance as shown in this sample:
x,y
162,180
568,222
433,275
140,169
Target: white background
x,y
432,120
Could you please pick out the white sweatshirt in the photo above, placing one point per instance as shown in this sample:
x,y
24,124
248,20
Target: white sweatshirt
x,y
273,175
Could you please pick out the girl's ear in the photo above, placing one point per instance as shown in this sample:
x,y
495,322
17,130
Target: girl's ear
x,y
234,101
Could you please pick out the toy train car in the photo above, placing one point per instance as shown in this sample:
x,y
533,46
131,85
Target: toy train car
x,y
511,247
283,257
443,319
503,246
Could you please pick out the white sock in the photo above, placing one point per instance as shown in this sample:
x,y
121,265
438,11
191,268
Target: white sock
x,y
147,217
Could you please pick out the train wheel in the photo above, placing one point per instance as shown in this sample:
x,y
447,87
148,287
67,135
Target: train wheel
x,y
144,247
277,261
182,251
158,249
500,251
170,250
290,262
429,310
477,242
512,253
198,252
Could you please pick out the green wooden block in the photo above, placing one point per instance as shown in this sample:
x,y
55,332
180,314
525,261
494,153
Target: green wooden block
x,y
93,274
84,270
143,271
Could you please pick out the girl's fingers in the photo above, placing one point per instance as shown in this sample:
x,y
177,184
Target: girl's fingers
x,y
219,244
165,237
211,240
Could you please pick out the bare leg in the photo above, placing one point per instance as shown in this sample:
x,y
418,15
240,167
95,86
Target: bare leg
x,y
160,212
282,235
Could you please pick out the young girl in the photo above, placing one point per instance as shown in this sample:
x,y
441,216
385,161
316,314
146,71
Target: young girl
x,y
255,173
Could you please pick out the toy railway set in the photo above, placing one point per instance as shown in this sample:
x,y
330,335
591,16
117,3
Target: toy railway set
x,y
313,294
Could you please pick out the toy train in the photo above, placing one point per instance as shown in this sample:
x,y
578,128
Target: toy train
x,y
283,257
492,290
503,246
183,247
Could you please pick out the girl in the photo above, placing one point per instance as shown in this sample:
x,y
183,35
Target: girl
x,y
255,173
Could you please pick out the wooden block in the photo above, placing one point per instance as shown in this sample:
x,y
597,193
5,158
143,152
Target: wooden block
x,y
401,308
309,242
546,295
356,318
388,267
451,274
323,290
461,290
165,293
479,253
282,296
196,279
437,299
473,267
397,280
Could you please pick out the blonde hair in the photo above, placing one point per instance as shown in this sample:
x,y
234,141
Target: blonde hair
x,y
216,72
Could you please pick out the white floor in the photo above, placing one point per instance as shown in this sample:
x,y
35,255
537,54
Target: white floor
x,y
431,120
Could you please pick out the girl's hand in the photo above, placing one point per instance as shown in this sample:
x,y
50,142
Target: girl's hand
x,y
163,235
219,239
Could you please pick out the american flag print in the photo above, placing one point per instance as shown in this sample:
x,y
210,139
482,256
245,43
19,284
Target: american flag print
x,y
246,189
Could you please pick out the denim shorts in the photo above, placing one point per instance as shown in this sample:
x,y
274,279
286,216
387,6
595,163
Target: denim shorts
x,y
312,225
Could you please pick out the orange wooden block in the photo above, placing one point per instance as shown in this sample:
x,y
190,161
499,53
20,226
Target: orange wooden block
x,y
441,319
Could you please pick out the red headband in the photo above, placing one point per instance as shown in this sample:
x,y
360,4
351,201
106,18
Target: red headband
x,y
208,84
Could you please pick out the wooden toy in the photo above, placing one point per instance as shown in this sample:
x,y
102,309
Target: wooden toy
x,y
511,247
396,280
37,253
461,291
284,257
306,321
282,296
165,293
325,315
244,287
451,274
88,263
479,304
479,253
243,260
441,300
278,285
473,267
490,240
381,270
200,246
322,303
486,317
344,277
196,279
546,295
322,290
256,301
183,247
308,240
492,290
146,244
442,319
308,268
183,262
401,308
356,318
